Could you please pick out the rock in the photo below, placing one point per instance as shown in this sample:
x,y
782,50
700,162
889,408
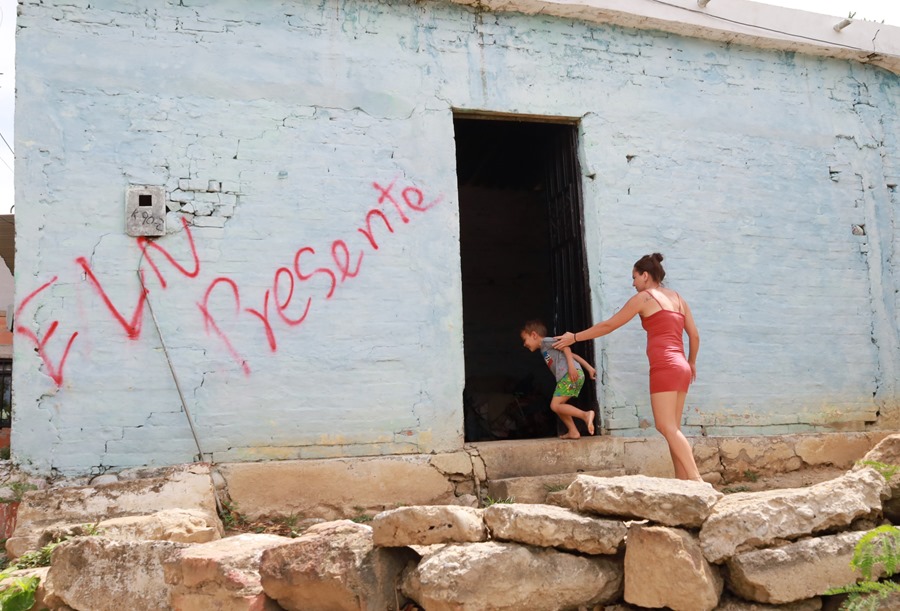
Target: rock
x,y
557,498
796,571
745,521
729,603
428,525
670,502
837,450
222,575
96,574
466,500
106,478
759,455
180,525
182,487
534,489
334,566
664,567
887,452
454,463
219,481
550,526
494,576
708,459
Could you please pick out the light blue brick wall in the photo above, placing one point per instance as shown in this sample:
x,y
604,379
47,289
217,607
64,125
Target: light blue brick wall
x,y
746,168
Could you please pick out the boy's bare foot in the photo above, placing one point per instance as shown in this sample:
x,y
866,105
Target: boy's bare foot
x,y
570,436
589,421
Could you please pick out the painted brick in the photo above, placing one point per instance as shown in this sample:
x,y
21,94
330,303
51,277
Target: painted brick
x,y
746,168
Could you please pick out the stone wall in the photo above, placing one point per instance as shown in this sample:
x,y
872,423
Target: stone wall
x,y
633,541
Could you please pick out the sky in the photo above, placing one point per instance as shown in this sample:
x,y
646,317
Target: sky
x,y
7,100
873,10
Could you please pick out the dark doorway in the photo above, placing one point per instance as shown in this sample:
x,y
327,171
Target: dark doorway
x,y
522,250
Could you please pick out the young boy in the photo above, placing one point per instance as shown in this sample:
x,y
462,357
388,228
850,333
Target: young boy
x,y
567,367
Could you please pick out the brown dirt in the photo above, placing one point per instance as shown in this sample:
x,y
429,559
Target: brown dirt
x,y
793,479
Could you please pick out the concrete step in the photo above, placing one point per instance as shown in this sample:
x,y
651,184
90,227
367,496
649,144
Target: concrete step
x,y
552,456
527,469
536,488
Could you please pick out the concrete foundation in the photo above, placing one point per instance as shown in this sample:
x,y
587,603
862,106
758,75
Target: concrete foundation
x,y
360,487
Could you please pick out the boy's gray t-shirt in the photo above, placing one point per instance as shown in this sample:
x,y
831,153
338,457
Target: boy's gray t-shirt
x,y
555,359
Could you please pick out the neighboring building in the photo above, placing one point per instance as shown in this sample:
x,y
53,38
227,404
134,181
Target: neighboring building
x,y
7,289
6,342
362,201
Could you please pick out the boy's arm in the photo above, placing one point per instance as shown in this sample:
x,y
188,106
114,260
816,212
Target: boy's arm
x,y
587,366
573,373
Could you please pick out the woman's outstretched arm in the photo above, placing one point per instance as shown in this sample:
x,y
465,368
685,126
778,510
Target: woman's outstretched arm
x,y
631,308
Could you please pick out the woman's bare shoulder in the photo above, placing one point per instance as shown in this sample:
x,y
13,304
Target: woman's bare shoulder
x,y
677,302
643,298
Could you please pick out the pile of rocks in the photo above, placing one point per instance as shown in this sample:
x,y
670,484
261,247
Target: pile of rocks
x,y
685,541
623,542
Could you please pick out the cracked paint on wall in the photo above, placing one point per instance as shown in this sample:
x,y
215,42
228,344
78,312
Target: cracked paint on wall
x,y
341,268
311,302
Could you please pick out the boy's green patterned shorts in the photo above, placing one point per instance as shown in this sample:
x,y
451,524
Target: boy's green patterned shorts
x,y
567,388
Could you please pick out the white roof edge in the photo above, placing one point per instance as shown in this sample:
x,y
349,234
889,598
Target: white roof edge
x,y
736,21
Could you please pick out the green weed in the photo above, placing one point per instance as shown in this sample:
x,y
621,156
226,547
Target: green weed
x,y
19,595
733,489
91,530
879,547
886,471
18,490
290,523
231,518
35,558
362,516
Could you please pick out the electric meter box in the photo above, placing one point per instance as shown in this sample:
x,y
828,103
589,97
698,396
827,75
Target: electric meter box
x,y
145,211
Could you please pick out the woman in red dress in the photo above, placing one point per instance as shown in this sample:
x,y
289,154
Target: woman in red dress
x,y
665,316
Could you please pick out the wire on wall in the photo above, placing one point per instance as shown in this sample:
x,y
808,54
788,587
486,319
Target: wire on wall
x,y
187,412
760,27
7,144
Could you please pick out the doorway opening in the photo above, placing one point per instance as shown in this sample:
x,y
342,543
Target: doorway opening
x,y
523,258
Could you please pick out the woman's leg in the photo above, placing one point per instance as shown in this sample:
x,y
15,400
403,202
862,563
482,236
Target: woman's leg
x,y
667,410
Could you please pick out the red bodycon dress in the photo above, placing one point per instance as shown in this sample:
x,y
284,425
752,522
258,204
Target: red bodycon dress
x,y
669,369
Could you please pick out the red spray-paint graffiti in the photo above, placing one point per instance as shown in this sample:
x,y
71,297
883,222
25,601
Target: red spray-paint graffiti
x,y
54,371
132,327
209,321
144,243
346,263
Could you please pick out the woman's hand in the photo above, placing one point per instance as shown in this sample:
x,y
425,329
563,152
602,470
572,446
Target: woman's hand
x,y
592,372
564,340
693,372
